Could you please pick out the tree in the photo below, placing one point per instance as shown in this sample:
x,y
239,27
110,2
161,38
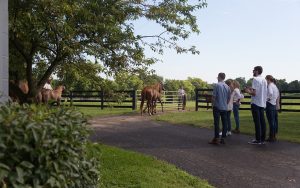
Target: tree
x,y
60,32
81,76
294,85
282,84
242,82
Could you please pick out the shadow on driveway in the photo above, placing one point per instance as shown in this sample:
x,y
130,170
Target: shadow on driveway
x,y
236,164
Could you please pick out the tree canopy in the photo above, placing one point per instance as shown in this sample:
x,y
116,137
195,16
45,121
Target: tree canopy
x,y
61,32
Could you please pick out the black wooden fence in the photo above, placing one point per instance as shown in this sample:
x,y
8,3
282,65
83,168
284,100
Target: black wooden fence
x,y
101,99
289,100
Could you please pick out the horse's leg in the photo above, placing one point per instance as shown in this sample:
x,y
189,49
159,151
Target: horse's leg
x,y
58,101
162,106
149,106
141,106
154,106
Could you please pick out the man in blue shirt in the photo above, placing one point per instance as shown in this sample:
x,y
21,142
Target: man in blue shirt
x,y
220,99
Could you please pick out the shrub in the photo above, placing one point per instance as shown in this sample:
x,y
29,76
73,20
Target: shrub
x,y
44,147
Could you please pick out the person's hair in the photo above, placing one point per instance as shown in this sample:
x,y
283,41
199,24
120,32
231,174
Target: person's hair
x,y
228,82
222,75
271,78
259,69
236,84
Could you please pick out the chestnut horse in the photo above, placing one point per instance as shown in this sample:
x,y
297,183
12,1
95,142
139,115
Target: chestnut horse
x,y
150,94
157,97
55,94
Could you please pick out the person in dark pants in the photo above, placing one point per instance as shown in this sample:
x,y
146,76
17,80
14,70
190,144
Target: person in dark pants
x,y
271,112
220,99
258,93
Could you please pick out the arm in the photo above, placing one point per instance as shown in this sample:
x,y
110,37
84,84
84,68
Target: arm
x,y
250,91
238,94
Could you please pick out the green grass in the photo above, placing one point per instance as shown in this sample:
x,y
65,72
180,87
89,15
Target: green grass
x,y
93,111
120,168
289,122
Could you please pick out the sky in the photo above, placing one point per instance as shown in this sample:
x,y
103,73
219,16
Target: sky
x,y
237,35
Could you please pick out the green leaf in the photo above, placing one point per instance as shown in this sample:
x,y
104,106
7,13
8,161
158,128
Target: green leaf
x,y
27,164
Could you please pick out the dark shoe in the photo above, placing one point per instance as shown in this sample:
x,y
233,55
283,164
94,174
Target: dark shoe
x,y
236,131
214,141
270,140
222,141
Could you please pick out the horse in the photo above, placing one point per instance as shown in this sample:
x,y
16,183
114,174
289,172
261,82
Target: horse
x,y
23,85
55,94
157,97
149,94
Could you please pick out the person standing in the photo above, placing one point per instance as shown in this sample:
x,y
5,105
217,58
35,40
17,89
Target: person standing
x,y
258,93
220,100
237,96
47,85
272,98
229,82
182,98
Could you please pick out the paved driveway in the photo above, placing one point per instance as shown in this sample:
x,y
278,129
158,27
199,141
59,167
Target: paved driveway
x,y
236,164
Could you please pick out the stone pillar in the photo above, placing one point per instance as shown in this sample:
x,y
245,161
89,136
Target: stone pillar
x,y
3,50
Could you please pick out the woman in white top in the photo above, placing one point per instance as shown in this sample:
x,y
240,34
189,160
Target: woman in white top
x,y
237,96
229,82
272,100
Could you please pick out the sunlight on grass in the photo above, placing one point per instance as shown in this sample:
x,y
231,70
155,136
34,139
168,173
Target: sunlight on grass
x,y
121,168
289,128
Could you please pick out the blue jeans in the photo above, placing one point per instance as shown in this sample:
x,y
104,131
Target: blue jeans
x,y
276,122
271,115
236,115
228,120
217,113
259,121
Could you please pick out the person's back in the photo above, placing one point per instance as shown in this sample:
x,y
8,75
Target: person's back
x,y
260,85
221,94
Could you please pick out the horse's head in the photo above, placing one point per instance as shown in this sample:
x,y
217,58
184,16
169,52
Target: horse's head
x,y
161,86
60,88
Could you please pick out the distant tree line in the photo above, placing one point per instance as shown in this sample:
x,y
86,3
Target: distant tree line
x,y
88,79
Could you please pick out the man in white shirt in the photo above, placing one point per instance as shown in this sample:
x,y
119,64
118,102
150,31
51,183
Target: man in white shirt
x,y
258,93
272,99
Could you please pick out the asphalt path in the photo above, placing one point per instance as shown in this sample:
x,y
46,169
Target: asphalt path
x,y
235,164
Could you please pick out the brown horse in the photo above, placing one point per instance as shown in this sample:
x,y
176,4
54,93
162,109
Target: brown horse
x,y
157,97
55,94
149,94
23,85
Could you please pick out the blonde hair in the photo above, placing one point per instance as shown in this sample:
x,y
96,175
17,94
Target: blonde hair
x,y
236,84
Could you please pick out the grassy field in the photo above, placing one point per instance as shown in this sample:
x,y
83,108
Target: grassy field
x,y
120,168
289,122
92,111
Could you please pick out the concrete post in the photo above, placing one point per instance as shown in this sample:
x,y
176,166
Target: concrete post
x,y
3,50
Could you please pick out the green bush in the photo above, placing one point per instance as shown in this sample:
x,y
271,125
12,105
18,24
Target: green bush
x,y
44,147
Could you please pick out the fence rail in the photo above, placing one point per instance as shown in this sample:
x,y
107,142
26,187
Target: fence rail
x,y
101,99
289,100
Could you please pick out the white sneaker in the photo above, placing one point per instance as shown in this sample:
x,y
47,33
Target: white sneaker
x,y
228,133
220,133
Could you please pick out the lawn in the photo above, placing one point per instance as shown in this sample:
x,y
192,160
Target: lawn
x,y
289,122
120,168
93,111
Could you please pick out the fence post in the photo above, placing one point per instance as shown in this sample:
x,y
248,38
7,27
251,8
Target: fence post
x,y
102,99
280,101
133,99
71,98
196,93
